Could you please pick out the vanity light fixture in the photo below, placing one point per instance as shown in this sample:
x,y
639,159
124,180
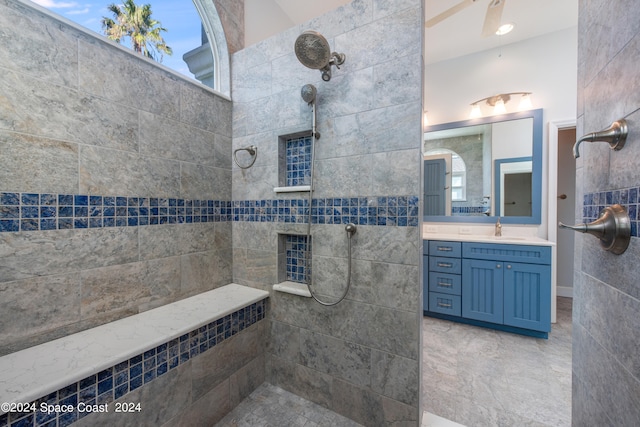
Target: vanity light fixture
x,y
504,29
498,102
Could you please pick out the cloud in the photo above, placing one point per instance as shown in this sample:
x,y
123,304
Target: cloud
x,y
52,4
78,11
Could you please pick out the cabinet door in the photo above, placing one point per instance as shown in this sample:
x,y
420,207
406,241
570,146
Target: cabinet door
x,y
425,285
527,296
482,290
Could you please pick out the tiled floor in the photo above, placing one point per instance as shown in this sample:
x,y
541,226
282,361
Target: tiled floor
x,y
480,377
270,406
471,377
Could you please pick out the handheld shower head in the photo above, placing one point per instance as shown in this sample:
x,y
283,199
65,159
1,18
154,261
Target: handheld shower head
x,y
313,51
308,93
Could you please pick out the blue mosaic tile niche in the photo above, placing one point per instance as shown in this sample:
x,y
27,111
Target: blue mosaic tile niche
x,y
118,380
629,198
298,253
298,161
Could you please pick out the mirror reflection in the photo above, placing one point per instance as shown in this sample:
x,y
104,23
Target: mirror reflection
x,y
483,168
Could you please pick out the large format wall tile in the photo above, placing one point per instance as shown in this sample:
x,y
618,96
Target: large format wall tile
x,y
33,164
41,48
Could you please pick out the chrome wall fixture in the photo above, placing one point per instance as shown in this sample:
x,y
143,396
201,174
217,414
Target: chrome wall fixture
x,y
615,135
314,52
253,152
612,227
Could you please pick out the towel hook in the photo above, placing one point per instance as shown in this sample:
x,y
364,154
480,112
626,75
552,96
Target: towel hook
x,y
252,150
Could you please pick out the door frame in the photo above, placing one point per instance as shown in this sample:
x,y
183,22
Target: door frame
x,y
552,223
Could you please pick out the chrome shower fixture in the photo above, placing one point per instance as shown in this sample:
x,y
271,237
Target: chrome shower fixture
x,y
308,93
313,51
615,135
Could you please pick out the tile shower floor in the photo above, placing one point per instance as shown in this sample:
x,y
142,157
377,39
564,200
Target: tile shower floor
x,y
471,377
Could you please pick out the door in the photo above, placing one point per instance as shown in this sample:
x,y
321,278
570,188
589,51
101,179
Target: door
x,y
482,290
435,187
566,211
527,296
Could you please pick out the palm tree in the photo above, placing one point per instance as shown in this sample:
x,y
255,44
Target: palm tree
x,y
135,22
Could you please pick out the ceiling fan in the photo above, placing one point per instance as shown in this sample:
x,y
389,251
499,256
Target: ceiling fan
x,y
491,19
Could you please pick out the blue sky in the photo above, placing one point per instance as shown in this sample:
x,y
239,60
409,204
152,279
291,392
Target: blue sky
x,y
179,17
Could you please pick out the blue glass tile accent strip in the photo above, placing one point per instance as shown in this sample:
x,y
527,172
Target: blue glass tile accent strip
x,y
401,211
468,210
298,264
629,198
298,161
32,211
114,382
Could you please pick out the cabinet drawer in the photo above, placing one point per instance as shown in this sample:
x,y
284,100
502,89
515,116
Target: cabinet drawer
x,y
425,247
445,265
445,283
447,249
530,254
444,303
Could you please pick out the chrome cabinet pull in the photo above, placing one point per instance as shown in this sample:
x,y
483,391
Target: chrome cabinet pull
x,y
498,265
445,264
445,285
443,305
445,248
508,266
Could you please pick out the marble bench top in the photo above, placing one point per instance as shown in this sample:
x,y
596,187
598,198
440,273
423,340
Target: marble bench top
x,y
34,372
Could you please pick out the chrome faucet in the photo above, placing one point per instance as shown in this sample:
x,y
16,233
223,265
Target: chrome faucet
x,y
498,228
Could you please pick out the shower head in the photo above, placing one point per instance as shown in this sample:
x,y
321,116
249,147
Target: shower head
x,y
308,93
313,51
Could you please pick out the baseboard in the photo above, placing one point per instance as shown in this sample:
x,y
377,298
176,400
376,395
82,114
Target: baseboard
x,y
564,291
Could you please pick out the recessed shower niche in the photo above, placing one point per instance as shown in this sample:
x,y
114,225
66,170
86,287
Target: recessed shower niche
x,y
294,258
294,162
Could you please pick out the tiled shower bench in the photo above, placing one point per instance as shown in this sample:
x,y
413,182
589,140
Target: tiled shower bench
x,y
83,372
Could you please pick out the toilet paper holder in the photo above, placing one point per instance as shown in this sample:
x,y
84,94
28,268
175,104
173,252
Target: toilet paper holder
x,y
612,227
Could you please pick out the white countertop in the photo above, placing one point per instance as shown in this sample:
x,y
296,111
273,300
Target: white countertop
x,y
34,372
505,239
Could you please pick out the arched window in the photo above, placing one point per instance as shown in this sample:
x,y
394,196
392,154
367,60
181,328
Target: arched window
x,y
195,35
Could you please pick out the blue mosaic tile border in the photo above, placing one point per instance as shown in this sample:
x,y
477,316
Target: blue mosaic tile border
x,y
33,211
298,266
401,211
468,210
113,383
629,198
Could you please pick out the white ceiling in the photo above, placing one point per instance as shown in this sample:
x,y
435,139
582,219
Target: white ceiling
x,y
456,36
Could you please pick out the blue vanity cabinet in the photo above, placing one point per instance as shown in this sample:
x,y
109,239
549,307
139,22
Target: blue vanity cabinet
x,y
496,285
444,282
482,290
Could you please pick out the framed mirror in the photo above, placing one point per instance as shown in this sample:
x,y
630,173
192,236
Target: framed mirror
x,y
476,170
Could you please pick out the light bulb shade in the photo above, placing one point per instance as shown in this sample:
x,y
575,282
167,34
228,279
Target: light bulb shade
x,y
475,111
425,119
499,107
525,102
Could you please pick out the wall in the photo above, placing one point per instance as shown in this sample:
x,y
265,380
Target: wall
x,y
361,357
606,326
141,153
544,65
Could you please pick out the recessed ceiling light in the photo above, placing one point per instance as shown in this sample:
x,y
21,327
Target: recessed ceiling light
x,y
504,29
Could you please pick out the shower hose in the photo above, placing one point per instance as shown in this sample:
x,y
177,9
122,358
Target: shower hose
x,y
349,228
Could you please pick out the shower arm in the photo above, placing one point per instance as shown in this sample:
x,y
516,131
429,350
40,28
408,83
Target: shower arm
x,y
615,135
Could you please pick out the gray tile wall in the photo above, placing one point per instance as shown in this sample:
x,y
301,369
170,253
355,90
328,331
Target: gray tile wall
x,y
361,357
81,116
606,326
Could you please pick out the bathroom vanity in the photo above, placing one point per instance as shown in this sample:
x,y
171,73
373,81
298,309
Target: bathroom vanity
x,y
494,282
